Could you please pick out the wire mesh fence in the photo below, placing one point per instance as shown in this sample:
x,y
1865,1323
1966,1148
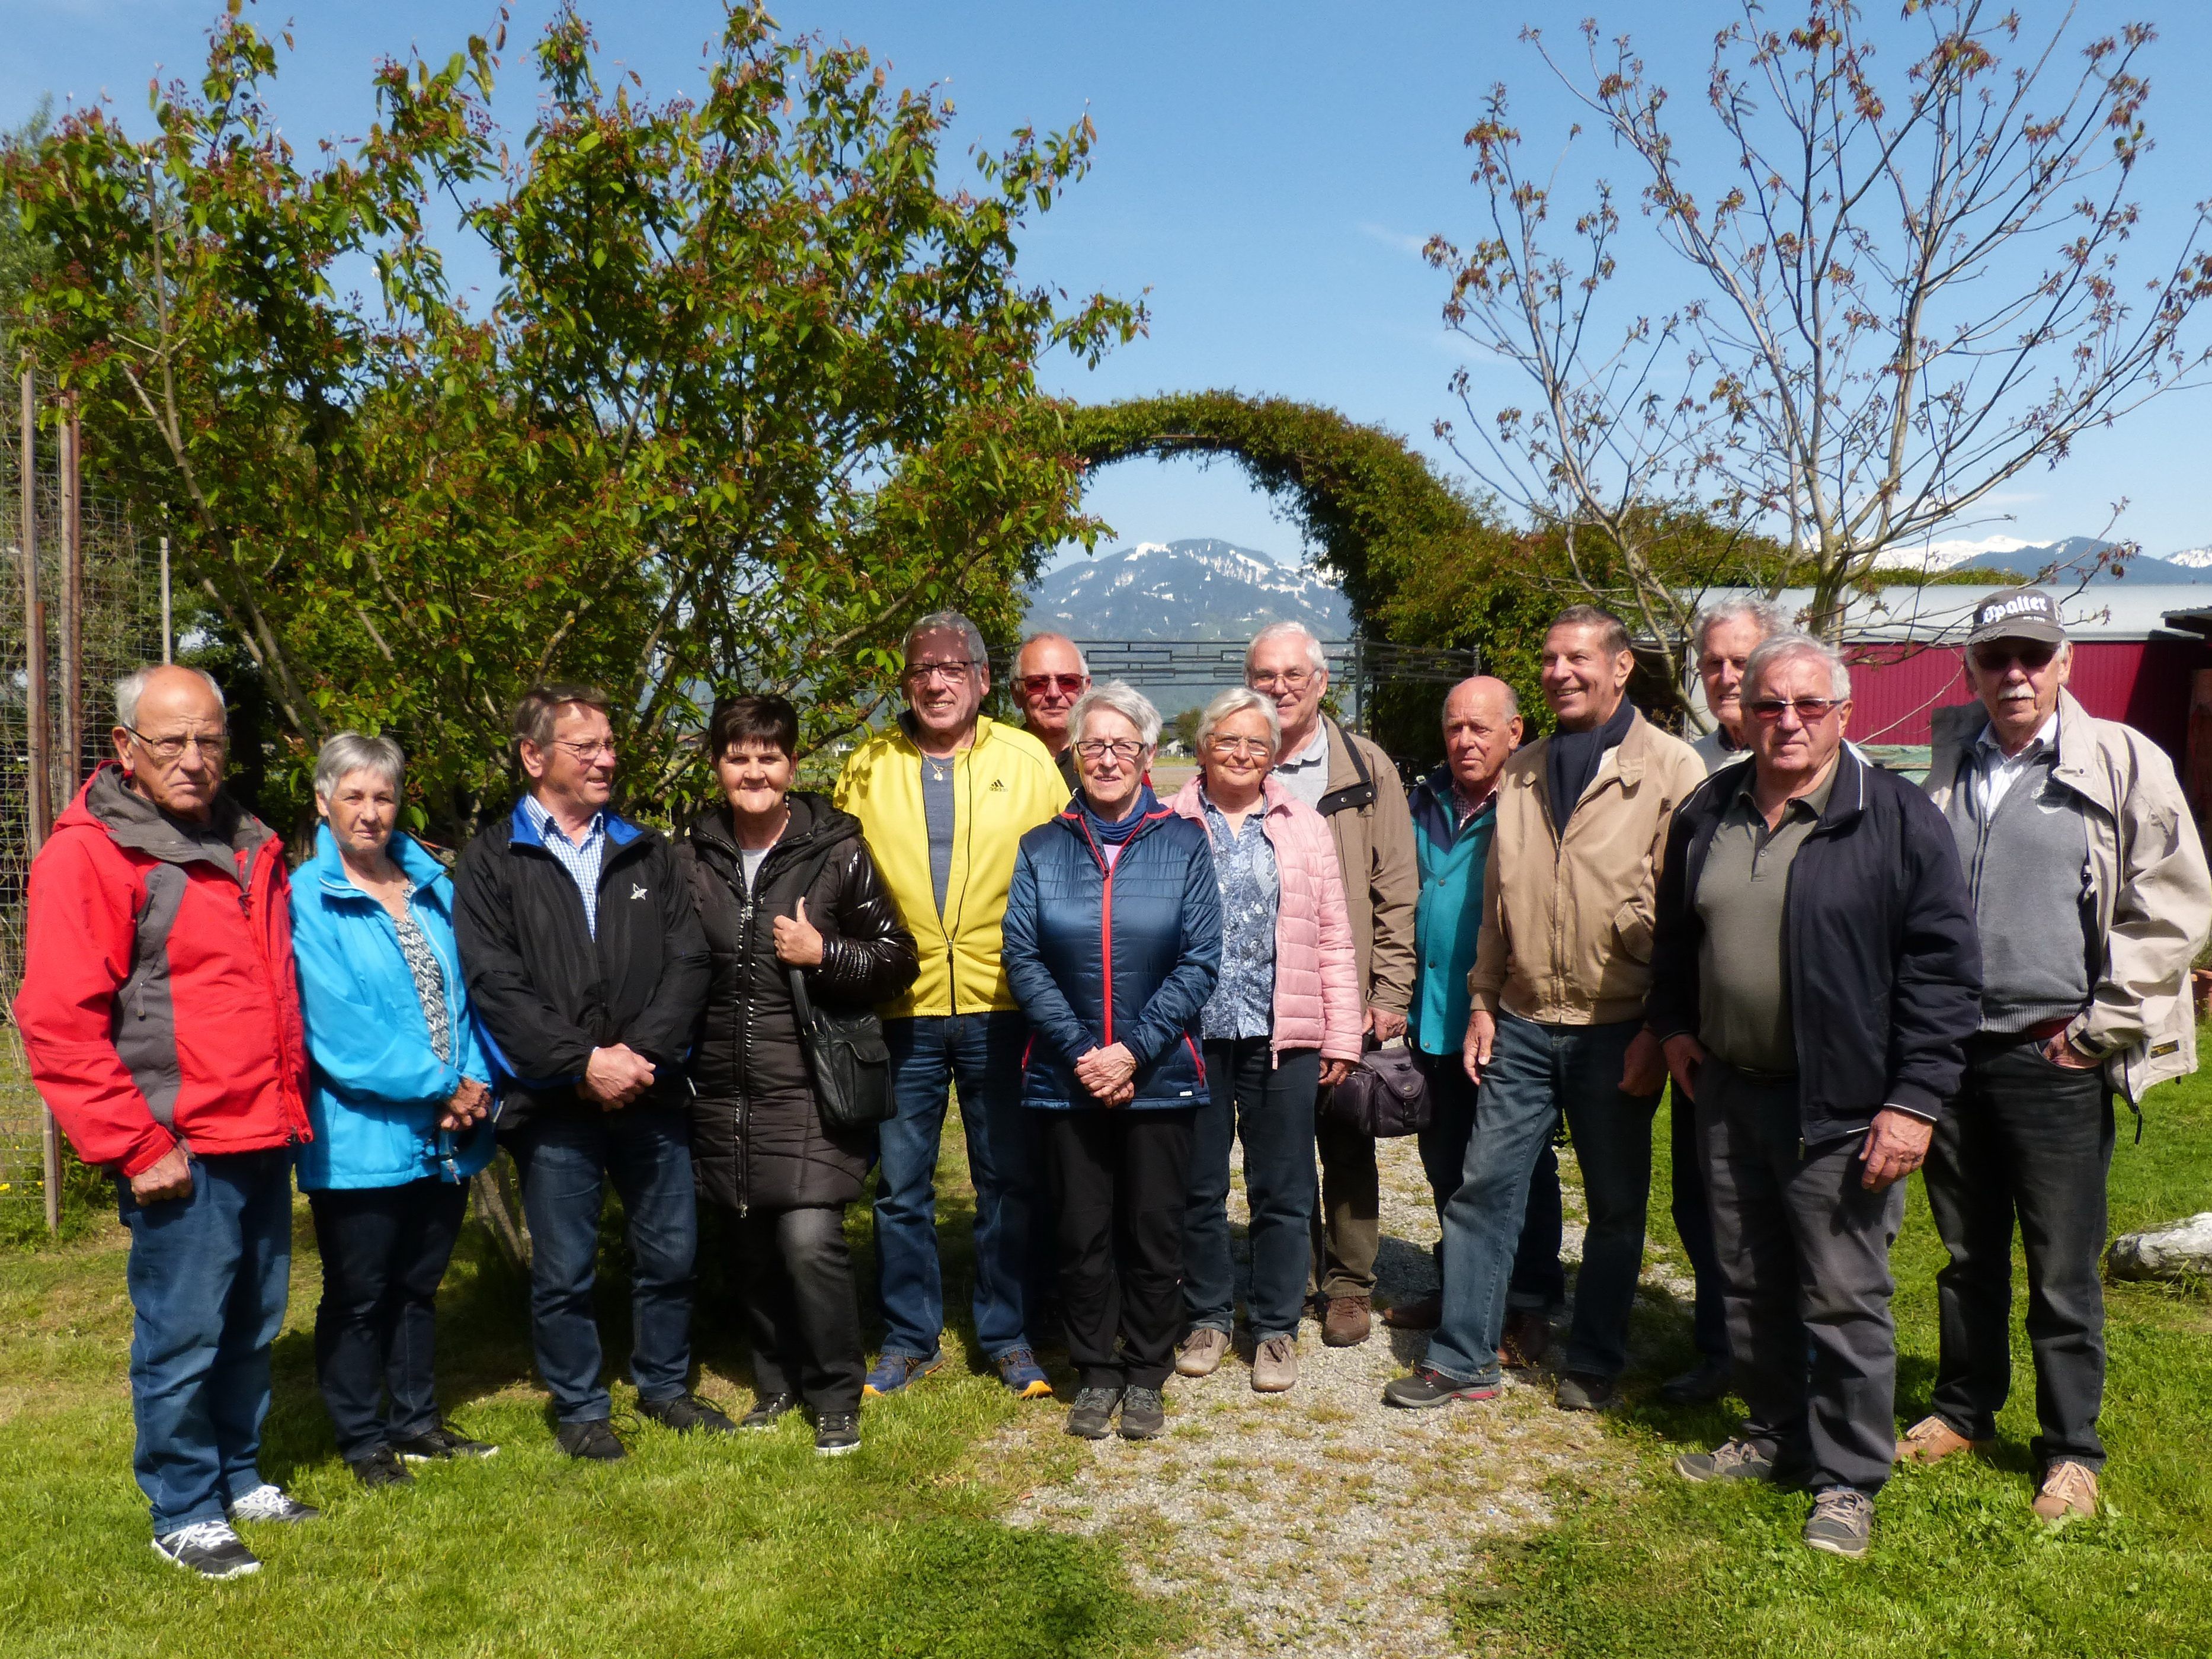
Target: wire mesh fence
x,y
110,625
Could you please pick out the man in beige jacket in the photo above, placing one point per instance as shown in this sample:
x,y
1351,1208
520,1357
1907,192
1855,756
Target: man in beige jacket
x,y
1352,784
2091,897
1559,985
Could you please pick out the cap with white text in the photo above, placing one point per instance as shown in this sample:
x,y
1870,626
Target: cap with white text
x,y
2018,613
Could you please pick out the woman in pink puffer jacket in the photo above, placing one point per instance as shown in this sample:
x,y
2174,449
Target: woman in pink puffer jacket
x,y
1285,1020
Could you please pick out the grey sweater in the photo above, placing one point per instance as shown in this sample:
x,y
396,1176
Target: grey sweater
x,y
2027,868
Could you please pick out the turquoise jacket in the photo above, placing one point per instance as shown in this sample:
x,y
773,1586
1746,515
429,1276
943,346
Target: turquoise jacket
x,y
379,1085
1448,918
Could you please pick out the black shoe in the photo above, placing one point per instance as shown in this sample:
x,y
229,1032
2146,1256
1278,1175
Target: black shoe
x,y
1701,1385
438,1444
1144,1414
209,1548
269,1503
686,1414
836,1433
382,1468
770,1410
1427,1389
1091,1417
594,1441
1581,1392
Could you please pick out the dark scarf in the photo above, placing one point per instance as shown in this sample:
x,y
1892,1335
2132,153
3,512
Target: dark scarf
x,y
1117,830
1573,760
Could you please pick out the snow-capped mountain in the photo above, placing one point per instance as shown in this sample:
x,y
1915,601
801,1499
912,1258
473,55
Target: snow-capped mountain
x,y
2072,558
1201,589
2192,558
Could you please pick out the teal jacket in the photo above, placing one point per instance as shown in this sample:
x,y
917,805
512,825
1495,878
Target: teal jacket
x,y
379,1085
1448,918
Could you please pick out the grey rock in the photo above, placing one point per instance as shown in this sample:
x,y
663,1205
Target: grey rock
x,y
2176,1252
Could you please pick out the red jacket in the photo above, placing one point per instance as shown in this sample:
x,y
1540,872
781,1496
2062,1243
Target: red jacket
x,y
158,1001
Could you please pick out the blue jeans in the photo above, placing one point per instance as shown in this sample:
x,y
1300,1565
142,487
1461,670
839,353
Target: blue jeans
x,y
1536,1072
208,1279
566,1158
980,1056
1538,1283
1271,1105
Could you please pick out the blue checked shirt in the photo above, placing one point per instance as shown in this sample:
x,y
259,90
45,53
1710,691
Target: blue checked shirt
x,y
581,859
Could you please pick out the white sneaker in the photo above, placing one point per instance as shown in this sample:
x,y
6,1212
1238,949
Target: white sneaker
x,y
268,1502
209,1548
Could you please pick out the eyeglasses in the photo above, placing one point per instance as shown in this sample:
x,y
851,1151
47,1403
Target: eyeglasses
x,y
1038,684
1258,748
1124,750
2030,654
1811,711
587,752
172,748
920,673
1292,679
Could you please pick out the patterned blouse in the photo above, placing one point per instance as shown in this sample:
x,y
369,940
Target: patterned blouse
x,y
429,982
1243,1001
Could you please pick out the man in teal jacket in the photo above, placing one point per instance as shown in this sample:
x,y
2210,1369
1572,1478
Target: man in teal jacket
x,y
1453,812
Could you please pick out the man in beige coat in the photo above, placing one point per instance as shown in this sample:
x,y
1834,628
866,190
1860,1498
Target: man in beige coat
x,y
1557,986
1352,784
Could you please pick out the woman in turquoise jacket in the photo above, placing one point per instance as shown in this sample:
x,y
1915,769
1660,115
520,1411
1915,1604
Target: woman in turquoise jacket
x,y
399,1109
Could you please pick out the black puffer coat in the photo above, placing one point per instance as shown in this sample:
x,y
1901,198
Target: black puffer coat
x,y
757,1140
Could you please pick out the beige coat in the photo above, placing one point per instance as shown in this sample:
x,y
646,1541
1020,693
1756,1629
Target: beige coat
x,y
1381,871
1566,928
2147,866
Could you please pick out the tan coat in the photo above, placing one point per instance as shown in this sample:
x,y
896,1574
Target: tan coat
x,y
2147,866
1381,871
1566,929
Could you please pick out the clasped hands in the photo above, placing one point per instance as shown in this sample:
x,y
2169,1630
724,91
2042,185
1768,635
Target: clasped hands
x,y
472,1103
1109,1073
617,1075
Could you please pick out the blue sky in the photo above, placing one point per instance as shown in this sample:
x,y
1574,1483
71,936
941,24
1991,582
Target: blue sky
x,y
1265,174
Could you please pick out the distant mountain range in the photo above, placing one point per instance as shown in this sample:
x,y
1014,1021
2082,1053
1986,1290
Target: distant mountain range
x,y
2072,556
1201,589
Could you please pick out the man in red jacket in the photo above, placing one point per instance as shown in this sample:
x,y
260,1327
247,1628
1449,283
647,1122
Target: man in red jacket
x,y
162,1023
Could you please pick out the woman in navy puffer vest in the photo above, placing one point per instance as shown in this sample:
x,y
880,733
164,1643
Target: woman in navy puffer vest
x,y
1113,942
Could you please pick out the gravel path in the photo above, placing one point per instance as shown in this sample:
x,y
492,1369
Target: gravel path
x,y
1321,1521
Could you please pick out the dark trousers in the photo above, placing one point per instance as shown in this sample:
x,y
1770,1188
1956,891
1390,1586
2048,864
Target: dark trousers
x,y
1121,1185
1539,1279
1804,1252
1693,1220
1270,1105
802,1313
207,1276
1346,1224
566,1160
384,1250
2026,1137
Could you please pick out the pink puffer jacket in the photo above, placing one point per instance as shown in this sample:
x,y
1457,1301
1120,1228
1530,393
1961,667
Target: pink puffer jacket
x,y
1316,978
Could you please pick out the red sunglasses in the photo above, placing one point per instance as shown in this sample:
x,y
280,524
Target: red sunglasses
x,y
1036,685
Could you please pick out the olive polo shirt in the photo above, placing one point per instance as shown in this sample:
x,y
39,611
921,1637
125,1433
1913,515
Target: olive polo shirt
x,y
1743,963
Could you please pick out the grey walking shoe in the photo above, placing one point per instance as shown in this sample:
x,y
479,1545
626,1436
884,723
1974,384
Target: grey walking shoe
x,y
209,1548
268,1502
1275,1365
1842,1522
1732,1460
1092,1416
1144,1414
1202,1353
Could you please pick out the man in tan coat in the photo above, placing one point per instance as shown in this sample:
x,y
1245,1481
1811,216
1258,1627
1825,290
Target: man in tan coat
x,y
1352,784
1558,986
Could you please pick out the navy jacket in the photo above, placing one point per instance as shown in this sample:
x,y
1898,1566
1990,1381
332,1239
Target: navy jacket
x,y
1097,958
1884,967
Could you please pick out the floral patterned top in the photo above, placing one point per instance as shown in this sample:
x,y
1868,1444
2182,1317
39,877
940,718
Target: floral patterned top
x,y
429,982
1244,1000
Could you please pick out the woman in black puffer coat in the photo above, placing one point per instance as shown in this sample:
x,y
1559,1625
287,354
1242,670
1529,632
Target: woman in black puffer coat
x,y
783,880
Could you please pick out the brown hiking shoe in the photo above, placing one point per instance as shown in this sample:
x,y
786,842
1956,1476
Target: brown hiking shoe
x,y
1346,1323
1201,1354
1423,1314
1526,1340
1931,1440
2069,1493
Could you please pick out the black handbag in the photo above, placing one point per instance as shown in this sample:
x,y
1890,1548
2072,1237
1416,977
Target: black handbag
x,y
1385,1096
851,1064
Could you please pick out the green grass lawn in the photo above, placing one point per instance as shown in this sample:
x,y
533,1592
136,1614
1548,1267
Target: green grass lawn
x,y
1647,1566
748,1546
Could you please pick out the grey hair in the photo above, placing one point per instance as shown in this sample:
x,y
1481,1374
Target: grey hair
x,y
1789,645
1235,701
1766,618
1125,699
132,686
349,752
949,621
1082,661
1315,655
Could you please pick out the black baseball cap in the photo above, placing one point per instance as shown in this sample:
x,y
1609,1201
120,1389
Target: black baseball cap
x,y
2018,613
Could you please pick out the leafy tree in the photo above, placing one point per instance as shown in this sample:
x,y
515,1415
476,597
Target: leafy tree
x,y
1183,729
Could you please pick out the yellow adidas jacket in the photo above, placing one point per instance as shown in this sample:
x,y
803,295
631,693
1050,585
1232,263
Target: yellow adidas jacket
x,y
1004,785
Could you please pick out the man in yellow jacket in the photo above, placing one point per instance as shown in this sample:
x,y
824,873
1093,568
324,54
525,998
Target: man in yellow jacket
x,y
943,799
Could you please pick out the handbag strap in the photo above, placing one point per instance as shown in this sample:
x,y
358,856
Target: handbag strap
x,y
802,1005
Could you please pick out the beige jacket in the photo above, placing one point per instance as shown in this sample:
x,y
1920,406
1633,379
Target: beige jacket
x,y
1566,927
1373,831
2146,866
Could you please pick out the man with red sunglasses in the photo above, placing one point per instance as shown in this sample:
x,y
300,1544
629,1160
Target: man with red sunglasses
x,y
1049,675
2091,897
